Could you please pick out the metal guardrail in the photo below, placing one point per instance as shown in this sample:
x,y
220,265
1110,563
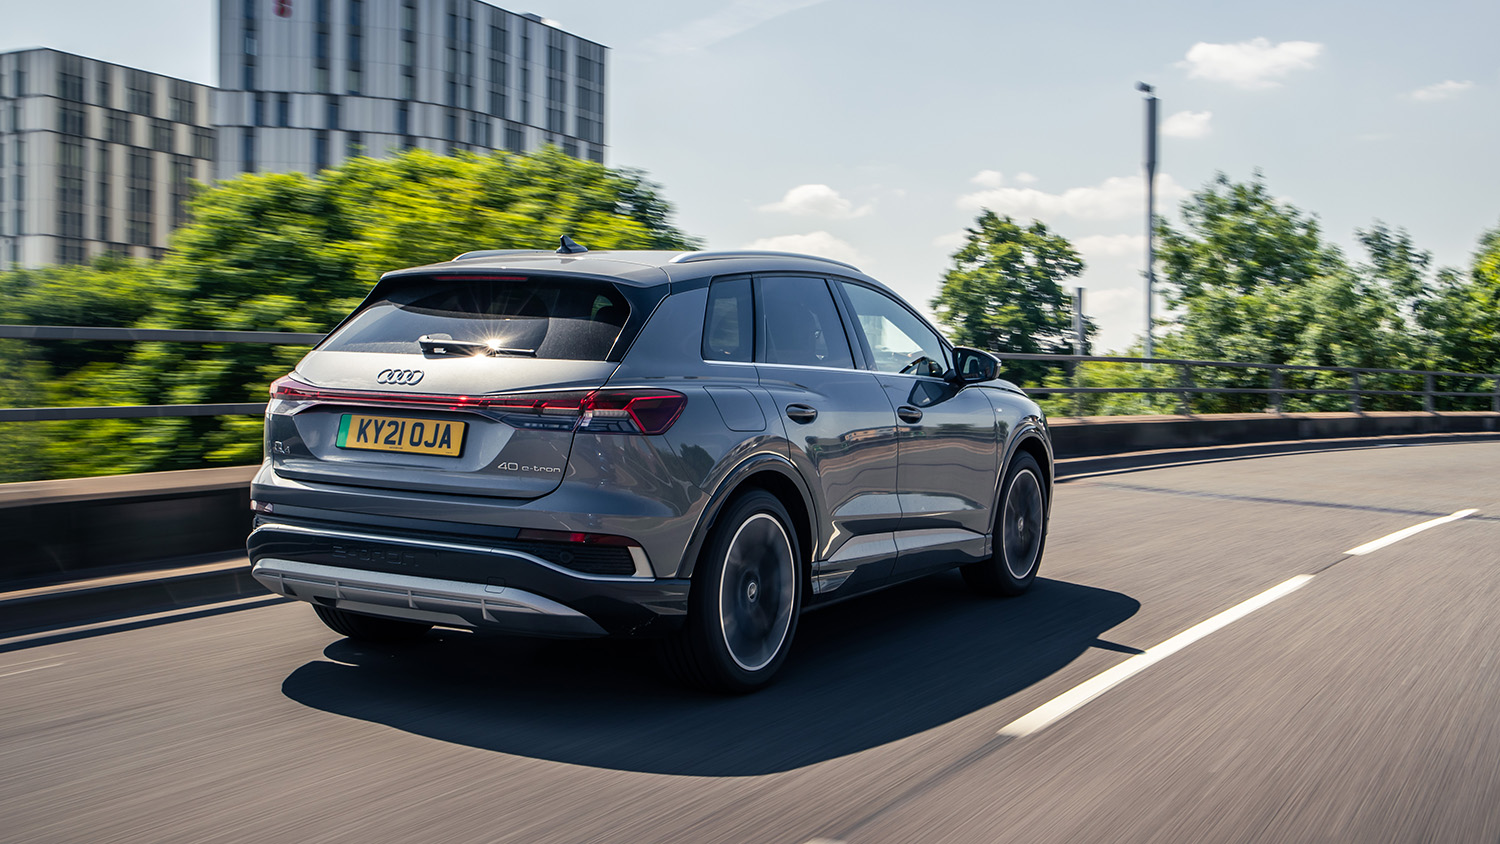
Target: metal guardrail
x,y
1185,389
1276,391
143,335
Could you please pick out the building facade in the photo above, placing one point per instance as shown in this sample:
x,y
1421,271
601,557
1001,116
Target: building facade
x,y
95,158
306,84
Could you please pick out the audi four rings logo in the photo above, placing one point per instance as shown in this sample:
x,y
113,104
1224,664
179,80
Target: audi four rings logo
x,y
399,376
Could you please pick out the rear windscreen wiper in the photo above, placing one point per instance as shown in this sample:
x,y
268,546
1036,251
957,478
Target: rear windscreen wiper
x,y
443,344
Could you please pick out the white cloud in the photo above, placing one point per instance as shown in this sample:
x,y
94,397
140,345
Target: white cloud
x,y
989,178
1441,91
1112,245
816,243
1026,178
1256,63
1118,197
739,16
1188,124
817,201
951,241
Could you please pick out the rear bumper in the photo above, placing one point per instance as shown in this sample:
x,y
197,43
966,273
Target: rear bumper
x,y
464,584
448,602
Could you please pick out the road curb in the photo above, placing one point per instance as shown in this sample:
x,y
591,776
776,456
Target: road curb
x,y
1077,468
122,596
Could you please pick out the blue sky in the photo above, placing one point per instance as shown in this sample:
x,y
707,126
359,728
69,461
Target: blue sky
x,y
875,131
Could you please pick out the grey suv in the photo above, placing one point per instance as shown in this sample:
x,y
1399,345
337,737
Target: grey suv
x,y
690,445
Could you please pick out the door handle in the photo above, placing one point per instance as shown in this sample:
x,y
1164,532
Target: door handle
x,y
801,413
909,414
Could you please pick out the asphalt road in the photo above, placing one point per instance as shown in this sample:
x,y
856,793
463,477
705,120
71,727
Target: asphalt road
x,y
1362,707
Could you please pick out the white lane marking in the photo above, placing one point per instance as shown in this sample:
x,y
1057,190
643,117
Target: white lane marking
x,y
1060,706
1399,535
35,659
32,668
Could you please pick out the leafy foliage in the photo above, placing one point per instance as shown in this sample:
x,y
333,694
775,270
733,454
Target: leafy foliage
x,y
1005,292
287,252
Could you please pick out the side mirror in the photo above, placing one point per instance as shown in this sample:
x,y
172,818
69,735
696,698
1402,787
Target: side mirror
x,y
970,366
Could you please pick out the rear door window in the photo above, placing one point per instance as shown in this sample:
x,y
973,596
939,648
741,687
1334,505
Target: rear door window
x,y
799,324
560,319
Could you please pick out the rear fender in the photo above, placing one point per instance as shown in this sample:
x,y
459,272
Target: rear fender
x,y
732,483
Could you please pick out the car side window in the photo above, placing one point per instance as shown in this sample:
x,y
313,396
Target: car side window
x,y
799,324
729,322
898,340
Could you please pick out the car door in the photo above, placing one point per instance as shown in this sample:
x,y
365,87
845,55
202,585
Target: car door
x,y
946,434
841,429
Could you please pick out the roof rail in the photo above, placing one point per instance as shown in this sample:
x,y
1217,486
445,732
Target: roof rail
x,y
493,253
695,257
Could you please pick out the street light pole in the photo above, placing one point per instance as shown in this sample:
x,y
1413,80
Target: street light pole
x,y
1150,93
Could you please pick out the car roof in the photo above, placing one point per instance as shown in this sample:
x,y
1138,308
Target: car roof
x,y
642,268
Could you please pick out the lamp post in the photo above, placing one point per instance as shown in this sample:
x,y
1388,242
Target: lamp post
x,y
1150,93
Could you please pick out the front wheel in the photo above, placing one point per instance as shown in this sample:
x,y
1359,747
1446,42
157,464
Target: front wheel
x,y
1020,534
746,596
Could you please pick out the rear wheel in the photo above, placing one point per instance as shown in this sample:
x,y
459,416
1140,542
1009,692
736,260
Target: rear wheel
x,y
1020,534
368,628
746,596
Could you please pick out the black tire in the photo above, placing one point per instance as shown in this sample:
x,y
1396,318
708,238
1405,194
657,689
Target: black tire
x,y
745,600
368,628
1020,534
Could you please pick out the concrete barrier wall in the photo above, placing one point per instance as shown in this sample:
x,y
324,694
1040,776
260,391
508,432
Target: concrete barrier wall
x,y
71,529
1100,435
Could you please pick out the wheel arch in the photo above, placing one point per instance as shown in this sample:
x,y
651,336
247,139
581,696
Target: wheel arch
x,y
1030,437
774,474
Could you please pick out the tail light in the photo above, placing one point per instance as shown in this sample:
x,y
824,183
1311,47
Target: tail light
x,y
647,412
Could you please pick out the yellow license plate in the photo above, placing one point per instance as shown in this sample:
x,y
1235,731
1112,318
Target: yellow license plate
x,y
395,433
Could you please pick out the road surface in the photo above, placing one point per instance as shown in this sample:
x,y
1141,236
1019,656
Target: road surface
x,y
1361,705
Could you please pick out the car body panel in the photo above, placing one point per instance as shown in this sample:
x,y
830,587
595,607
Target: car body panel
x,y
881,498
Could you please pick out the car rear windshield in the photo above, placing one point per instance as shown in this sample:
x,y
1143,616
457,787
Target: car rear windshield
x,y
544,318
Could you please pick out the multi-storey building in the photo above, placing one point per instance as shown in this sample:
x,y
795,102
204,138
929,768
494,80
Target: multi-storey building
x,y
304,84
95,158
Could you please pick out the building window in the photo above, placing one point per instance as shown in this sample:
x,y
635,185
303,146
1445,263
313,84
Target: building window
x,y
403,119
515,139
184,102
182,191
140,173
320,151
103,93
101,191
354,145
258,110
331,113
140,98
117,128
71,120
247,151
356,45
162,136
283,110
321,36
70,78
203,143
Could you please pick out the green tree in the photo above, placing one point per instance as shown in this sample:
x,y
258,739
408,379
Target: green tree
x,y
1253,281
1005,293
1462,316
292,252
